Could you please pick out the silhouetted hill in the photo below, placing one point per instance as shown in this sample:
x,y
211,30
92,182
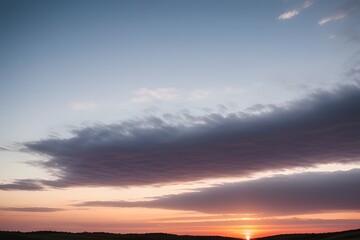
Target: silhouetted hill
x,y
49,235
346,235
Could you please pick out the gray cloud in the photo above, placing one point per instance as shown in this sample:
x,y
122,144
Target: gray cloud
x,y
31,209
275,196
22,184
353,71
324,127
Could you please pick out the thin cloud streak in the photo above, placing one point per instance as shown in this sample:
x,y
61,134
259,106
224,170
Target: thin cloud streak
x,y
31,209
334,17
23,185
289,14
144,95
263,222
292,13
147,95
342,12
275,196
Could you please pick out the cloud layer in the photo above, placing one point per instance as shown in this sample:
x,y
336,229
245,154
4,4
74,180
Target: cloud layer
x,y
279,195
322,128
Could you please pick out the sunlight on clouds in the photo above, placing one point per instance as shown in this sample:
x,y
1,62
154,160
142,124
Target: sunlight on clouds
x,y
334,17
62,197
328,215
347,9
333,167
292,13
288,15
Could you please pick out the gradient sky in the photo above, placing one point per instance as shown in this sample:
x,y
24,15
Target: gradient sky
x,y
216,117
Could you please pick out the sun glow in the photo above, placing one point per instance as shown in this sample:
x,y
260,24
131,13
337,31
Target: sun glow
x,y
247,236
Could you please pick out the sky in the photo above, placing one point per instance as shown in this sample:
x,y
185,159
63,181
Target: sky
x,y
204,117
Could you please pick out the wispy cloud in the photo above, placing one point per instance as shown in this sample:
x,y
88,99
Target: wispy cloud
x,y
321,128
22,184
31,209
84,106
150,95
341,13
334,17
198,94
294,12
289,14
275,196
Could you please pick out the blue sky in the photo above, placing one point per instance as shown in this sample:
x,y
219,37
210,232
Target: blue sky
x,y
88,66
58,53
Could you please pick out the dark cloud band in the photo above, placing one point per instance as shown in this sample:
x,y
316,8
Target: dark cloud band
x,y
275,196
22,184
322,128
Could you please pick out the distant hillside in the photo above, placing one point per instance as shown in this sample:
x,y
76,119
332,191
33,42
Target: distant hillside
x,y
346,235
48,235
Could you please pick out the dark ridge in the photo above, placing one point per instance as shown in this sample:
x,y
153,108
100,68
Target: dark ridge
x,y
344,235
54,235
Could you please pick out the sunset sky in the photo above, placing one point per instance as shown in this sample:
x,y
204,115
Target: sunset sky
x,y
205,117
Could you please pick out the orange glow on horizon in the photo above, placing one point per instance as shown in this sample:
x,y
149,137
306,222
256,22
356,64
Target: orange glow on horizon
x,y
142,220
